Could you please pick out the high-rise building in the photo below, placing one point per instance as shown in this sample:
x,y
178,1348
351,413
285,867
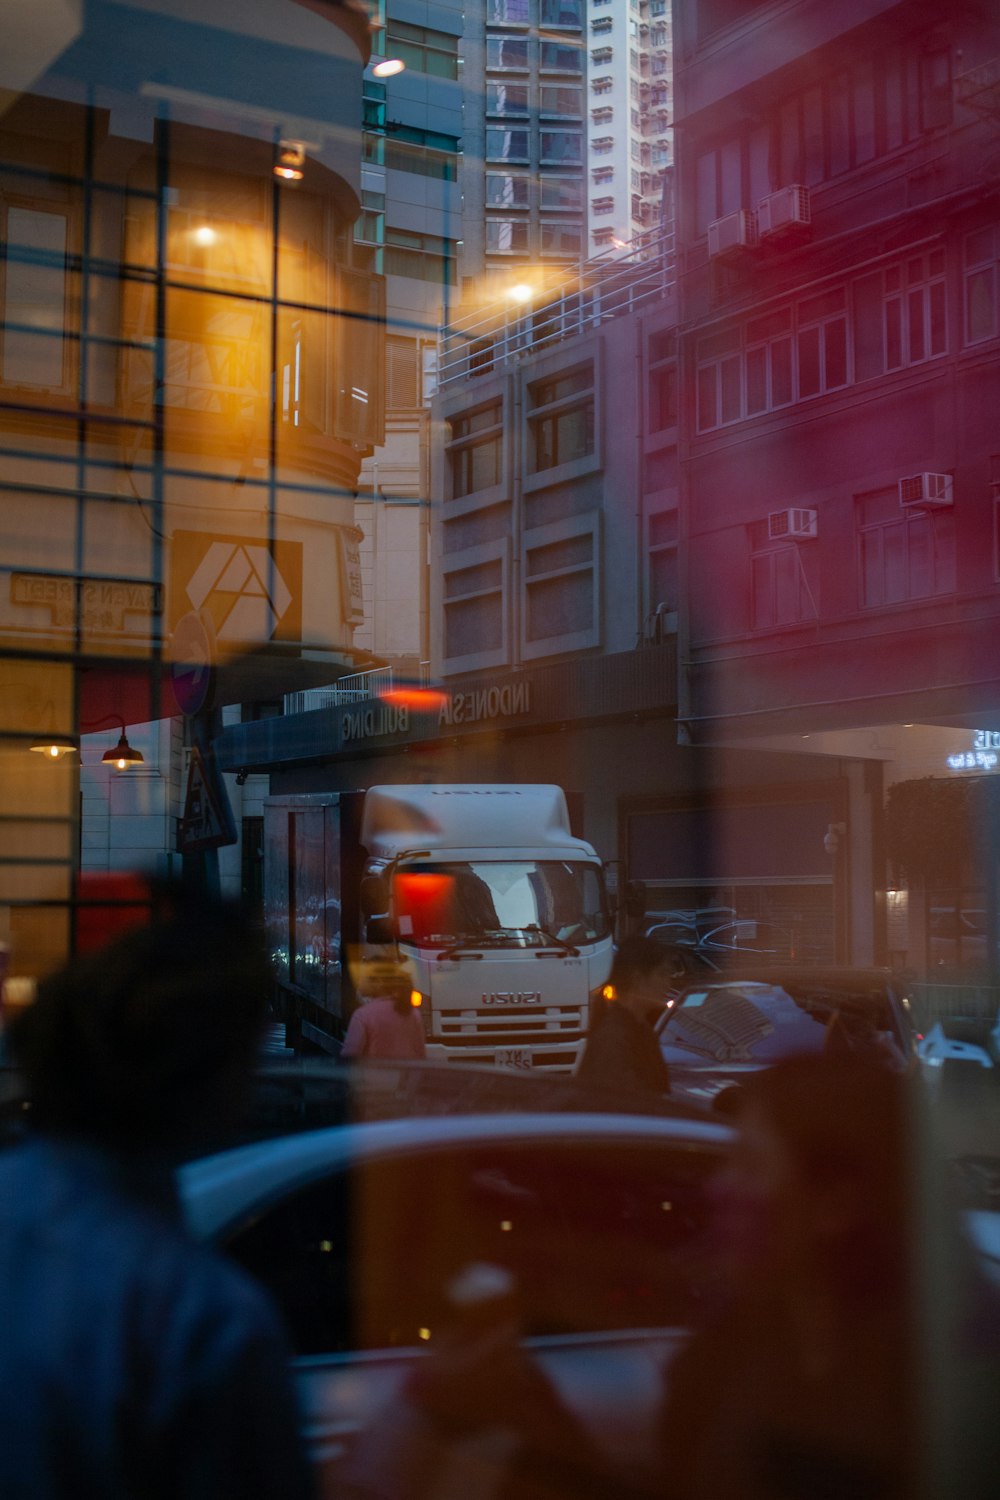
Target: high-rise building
x,y
629,119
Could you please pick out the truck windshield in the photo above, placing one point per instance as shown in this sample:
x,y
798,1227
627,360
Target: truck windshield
x,y
502,903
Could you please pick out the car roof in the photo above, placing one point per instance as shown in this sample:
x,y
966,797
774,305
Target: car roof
x,y
834,976
219,1191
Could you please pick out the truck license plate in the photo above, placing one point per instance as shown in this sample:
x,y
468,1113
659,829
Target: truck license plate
x,y
514,1057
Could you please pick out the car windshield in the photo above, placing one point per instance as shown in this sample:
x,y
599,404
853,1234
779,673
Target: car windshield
x,y
501,903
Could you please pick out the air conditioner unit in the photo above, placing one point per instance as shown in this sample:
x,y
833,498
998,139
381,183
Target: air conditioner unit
x,y
796,523
925,490
733,234
785,213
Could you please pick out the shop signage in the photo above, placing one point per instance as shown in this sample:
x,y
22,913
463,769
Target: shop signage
x,y
983,756
104,604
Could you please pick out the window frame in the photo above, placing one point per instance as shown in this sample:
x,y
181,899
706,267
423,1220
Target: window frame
x,y
537,412
535,540
497,550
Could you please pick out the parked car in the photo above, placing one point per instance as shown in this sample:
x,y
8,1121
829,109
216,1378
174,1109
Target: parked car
x,y
357,1231
719,1031
746,935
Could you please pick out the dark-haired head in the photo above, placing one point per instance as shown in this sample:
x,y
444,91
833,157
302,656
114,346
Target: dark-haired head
x,y
148,1042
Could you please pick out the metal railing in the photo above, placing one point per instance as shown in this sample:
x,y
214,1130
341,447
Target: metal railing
x,y
611,285
358,687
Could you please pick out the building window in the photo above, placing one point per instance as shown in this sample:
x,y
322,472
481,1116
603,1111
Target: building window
x,y
600,55
421,161
561,419
904,554
508,12
562,193
34,344
821,343
915,310
564,147
560,239
507,52
424,257
560,99
791,354
423,50
560,13
503,191
601,25
402,374
602,205
603,115
603,238
781,592
559,57
980,285
602,85
769,362
507,145
719,379
664,577
507,236
506,98
601,145
475,452
560,606
602,174
473,610
662,357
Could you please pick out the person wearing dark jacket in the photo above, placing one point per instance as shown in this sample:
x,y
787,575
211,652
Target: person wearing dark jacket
x,y
136,1364
623,1051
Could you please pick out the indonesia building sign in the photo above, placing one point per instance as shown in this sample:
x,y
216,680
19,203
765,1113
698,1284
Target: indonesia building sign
x,y
482,704
479,705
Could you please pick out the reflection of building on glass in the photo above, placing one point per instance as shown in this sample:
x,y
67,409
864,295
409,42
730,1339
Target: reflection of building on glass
x,y
191,373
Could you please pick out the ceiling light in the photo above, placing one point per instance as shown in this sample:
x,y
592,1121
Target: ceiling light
x,y
388,67
122,757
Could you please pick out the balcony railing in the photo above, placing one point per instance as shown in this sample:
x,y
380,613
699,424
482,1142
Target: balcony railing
x,y
612,284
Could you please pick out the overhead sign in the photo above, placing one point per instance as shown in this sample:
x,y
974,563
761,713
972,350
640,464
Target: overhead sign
x,y
250,590
208,820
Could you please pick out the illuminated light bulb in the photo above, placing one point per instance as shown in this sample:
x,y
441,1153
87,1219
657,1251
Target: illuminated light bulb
x,y
521,292
205,235
388,67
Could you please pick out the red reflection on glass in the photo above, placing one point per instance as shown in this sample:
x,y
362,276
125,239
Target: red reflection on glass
x,y
417,699
425,905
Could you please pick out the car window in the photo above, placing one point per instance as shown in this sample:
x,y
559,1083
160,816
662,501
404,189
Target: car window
x,y
598,1238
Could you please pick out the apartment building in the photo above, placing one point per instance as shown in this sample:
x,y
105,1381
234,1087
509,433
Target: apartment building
x,y
629,118
839,375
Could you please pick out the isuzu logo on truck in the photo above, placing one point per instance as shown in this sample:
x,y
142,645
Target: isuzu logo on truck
x,y
512,997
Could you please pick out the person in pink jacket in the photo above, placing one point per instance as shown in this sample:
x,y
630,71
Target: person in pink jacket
x,y
385,1025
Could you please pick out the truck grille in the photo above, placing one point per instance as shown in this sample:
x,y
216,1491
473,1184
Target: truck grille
x,y
512,1026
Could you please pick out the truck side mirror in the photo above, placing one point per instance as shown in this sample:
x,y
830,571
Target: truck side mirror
x,y
381,929
374,895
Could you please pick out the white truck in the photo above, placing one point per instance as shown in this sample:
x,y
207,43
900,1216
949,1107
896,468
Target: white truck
x,y
498,911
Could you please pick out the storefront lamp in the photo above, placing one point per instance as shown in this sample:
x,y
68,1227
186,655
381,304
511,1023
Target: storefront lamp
x,y
122,757
54,746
